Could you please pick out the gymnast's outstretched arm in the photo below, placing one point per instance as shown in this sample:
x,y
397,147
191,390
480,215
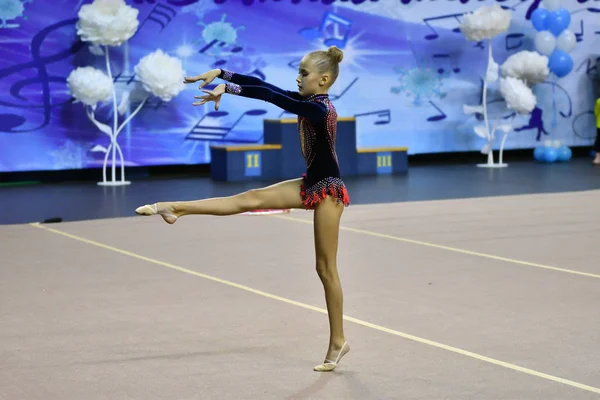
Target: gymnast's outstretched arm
x,y
248,80
303,108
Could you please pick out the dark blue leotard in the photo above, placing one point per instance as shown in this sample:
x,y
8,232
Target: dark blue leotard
x,y
317,123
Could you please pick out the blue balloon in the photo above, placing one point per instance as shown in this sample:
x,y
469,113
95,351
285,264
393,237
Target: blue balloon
x,y
560,63
550,154
564,153
538,154
558,21
539,19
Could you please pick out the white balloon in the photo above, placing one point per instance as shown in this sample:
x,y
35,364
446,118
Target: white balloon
x,y
545,42
552,5
566,41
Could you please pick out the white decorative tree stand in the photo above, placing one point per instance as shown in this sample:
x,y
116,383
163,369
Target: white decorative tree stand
x,y
519,72
484,24
109,23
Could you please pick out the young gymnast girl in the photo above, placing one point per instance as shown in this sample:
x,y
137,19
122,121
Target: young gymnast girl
x,y
320,189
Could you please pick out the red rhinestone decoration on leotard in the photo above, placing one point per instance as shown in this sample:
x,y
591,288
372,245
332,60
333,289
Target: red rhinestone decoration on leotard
x,y
334,187
307,139
308,133
331,127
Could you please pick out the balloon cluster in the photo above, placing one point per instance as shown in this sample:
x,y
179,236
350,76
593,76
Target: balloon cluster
x,y
553,37
551,152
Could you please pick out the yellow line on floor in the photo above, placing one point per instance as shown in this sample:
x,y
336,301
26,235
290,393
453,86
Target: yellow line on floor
x,y
448,248
321,310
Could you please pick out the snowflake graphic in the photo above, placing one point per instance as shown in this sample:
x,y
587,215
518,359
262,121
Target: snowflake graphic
x,y
420,83
220,35
11,9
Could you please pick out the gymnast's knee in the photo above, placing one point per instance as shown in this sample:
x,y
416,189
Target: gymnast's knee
x,y
326,268
252,199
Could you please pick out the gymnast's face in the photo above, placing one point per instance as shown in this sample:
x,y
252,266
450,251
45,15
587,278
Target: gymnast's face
x,y
309,80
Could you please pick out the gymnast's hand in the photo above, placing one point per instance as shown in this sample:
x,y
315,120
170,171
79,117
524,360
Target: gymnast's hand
x,y
207,77
214,95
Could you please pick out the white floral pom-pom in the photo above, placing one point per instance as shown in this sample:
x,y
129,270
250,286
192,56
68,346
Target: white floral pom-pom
x,y
529,66
485,23
518,95
90,85
107,22
161,75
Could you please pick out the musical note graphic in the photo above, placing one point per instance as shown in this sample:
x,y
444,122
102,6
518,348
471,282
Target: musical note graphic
x,y
257,73
8,122
435,34
210,129
593,9
384,114
532,8
294,64
438,117
446,57
579,35
182,3
330,38
161,14
155,103
220,51
511,38
513,8
333,97
120,77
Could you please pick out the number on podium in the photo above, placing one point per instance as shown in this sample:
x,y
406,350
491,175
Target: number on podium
x,y
252,163
384,163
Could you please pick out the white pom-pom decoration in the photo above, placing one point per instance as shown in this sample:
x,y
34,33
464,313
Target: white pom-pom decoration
x,y
107,22
161,75
485,23
491,74
90,85
518,95
528,66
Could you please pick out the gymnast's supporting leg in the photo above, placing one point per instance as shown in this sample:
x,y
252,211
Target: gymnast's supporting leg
x,y
282,195
326,227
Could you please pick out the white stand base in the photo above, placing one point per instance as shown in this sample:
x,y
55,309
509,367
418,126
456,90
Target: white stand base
x,y
492,165
116,183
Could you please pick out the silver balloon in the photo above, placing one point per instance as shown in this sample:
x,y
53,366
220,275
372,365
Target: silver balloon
x,y
566,41
552,5
545,42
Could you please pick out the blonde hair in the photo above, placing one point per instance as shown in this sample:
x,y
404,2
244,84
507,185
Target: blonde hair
x,y
328,61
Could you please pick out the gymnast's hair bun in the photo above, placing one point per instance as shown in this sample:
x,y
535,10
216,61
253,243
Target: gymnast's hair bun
x,y
335,54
